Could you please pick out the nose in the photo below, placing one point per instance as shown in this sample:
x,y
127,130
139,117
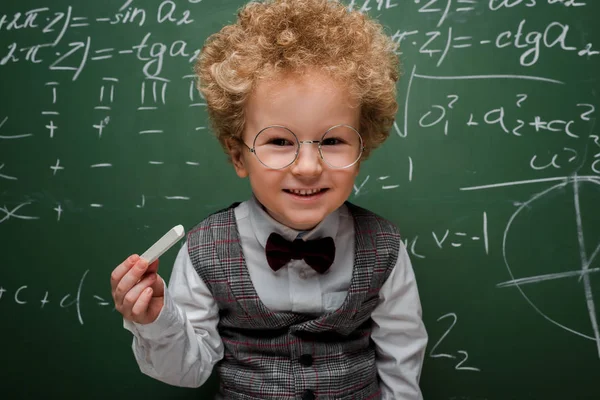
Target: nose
x,y
309,161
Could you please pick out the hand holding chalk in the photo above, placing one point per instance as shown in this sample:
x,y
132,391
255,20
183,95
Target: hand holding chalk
x,y
137,289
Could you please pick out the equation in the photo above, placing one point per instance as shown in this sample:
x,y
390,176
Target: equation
x,y
24,296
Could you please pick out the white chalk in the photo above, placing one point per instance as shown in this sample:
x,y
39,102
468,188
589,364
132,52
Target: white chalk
x,y
163,244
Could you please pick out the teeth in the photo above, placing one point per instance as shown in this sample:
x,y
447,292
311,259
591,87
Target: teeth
x,y
304,192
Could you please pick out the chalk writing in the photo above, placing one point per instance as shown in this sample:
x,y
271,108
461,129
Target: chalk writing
x,y
26,296
463,355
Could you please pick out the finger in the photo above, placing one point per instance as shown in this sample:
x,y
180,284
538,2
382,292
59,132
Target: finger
x,y
131,297
153,267
140,308
120,271
158,287
129,280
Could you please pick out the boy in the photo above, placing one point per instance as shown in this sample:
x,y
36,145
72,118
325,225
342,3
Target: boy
x,y
295,293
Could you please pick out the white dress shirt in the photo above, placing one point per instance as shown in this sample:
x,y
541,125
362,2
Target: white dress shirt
x,y
183,344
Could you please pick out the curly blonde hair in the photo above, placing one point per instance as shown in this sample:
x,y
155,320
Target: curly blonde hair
x,y
282,36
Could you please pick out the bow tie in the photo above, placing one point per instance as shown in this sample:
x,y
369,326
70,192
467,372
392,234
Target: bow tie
x,y
317,253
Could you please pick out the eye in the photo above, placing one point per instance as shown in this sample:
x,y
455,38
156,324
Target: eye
x,y
332,141
280,142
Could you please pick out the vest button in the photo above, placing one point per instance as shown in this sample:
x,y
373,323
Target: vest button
x,y
308,395
306,360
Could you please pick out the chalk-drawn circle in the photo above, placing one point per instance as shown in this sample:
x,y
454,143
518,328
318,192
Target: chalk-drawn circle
x,y
527,205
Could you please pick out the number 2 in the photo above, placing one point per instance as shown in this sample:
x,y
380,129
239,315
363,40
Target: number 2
x,y
459,367
433,354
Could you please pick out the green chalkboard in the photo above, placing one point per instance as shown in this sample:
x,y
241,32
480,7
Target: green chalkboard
x,y
492,173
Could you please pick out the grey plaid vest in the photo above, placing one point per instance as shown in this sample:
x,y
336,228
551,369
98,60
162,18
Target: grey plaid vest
x,y
285,355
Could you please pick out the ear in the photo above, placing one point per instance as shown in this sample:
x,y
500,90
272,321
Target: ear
x,y
237,158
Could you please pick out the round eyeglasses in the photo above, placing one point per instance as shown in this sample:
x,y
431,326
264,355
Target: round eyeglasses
x,y
277,147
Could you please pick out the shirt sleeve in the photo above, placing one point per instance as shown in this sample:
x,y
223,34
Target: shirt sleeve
x,y
182,345
399,333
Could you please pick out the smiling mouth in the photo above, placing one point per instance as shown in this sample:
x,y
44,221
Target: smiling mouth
x,y
305,192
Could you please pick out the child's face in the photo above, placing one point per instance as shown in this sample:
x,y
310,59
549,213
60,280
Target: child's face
x,y
308,106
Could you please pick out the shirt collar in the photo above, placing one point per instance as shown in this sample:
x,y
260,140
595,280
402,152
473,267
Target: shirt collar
x,y
263,225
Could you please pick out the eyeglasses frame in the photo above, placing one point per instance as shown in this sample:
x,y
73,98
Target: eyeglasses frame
x,y
301,142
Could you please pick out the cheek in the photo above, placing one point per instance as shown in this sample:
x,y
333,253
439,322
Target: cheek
x,y
264,179
345,182
349,176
